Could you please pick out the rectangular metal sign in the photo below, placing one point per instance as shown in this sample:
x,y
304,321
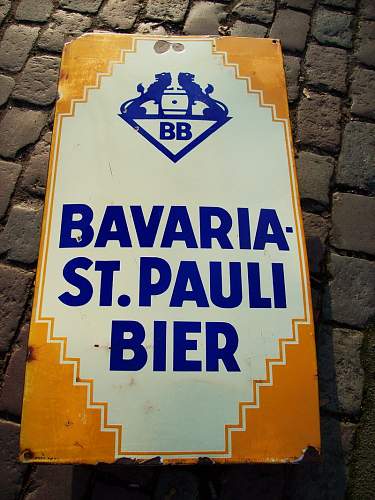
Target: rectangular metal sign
x,y
172,314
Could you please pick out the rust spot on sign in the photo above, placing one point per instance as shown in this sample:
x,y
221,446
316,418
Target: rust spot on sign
x,y
26,455
30,354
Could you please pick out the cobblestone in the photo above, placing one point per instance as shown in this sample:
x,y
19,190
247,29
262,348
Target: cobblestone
x,y
326,66
362,92
16,45
332,28
62,28
292,66
184,484
14,286
9,173
255,10
141,477
348,431
102,490
366,48
345,4
29,10
353,220
120,14
343,290
62,482
35,176
4,9
316,232
204,18
350,295
167,10
6,86
241,28
356,160
261,482
314,174
327,480
12,391
318,121
90,6
19,128
38,81
11,472
340,372
292,28
153,28
367,9
20,238
301,4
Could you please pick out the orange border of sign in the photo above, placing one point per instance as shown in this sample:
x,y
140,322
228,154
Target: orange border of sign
x,y
60,421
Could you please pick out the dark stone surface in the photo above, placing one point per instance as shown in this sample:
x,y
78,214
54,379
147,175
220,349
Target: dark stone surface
x,y
115,492
12,390
367,9
353,222
14,288
332,28
366,48
59,482
356,165
29,10
349,297
362,483
38,81
63,27
4,9
9,173
6,86
292,67
326,480
90,6
130,476
255,10
314,174
291,28
318,121
345,4
241,28
167,10
11,472
119,14
18,128
362,93
35,176
340,371
326,66
20,238
301,4
204,18
16,45
179,483
316,232
247,482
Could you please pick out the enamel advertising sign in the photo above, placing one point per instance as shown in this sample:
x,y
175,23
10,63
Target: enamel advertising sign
x,y
172,314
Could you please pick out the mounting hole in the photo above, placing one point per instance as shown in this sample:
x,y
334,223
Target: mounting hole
x,y
178,47
161,46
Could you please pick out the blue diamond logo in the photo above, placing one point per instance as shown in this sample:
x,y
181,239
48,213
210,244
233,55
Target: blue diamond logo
x,y
174,119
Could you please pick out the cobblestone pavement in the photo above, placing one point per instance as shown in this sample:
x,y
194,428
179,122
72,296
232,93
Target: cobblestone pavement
x,y
329,48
